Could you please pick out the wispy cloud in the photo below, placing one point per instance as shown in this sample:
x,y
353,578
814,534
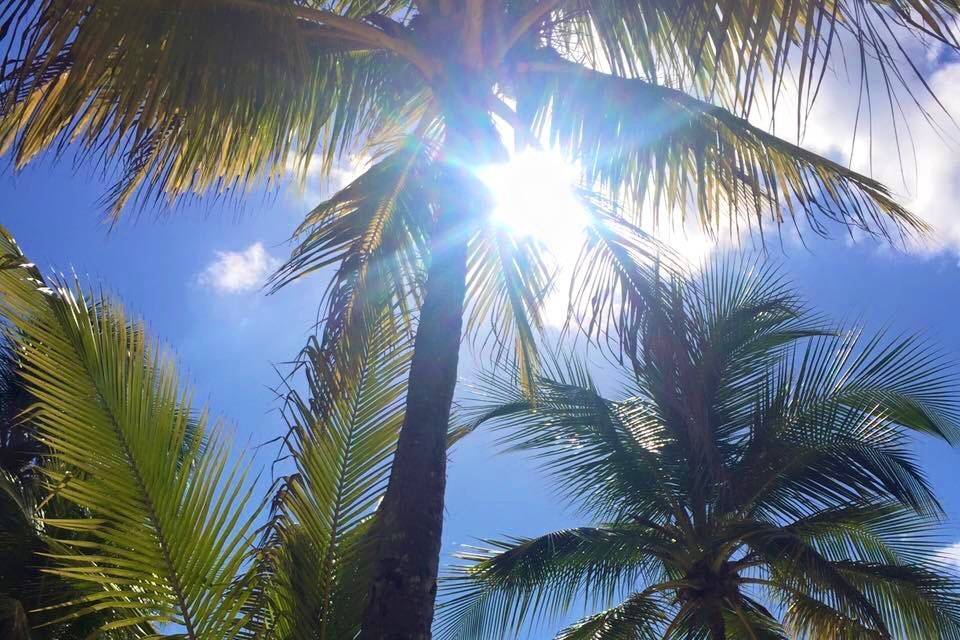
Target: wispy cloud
x,y
238,271
914,150
317,187
950,555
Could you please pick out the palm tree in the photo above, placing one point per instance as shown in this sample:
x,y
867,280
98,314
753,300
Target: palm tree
x,y
649,98
756,482
146,543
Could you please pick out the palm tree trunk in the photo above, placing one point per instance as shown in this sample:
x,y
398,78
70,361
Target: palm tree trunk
x,y
404,585
718,629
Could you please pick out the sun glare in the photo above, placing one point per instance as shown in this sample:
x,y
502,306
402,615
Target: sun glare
x,y
533,195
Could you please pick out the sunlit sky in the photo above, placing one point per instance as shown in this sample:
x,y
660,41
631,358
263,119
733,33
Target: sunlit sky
x,y
195,275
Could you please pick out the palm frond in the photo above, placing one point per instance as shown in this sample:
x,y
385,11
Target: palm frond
x,y
187,103
534,580
373,232
844,406
746,51
507,283
601,453
341,449
169,534
618,277
639,617
657,149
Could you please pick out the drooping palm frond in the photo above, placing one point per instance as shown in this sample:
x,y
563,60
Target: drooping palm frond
x,y
373,233
639,617
614,468
761,469
739,52
168,533
662,152
514,581
617,276
312,567
507,284
179,92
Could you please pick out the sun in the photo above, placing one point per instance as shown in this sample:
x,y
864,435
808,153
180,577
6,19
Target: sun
x,y
534,195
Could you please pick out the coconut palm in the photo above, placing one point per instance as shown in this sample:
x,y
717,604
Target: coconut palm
x,y
650,99
149,543
756,481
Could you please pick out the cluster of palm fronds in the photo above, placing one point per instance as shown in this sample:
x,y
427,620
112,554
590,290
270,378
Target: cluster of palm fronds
x,y
651,99
146,538
756,481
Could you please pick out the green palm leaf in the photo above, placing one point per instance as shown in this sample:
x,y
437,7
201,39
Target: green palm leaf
x,y
374,233
516,580
188,103
639,617
342,456
507,284
169,533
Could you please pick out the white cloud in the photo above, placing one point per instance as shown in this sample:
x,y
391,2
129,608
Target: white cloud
x,y
914,153
238,271
316,187
950,555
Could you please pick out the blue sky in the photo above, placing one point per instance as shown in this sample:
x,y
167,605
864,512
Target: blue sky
x,y
194,276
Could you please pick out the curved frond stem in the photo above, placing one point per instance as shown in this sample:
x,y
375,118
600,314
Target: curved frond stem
x,y
368,34
523,25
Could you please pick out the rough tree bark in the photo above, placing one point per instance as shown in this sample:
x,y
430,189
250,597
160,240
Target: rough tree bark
x,y
401,598
718,628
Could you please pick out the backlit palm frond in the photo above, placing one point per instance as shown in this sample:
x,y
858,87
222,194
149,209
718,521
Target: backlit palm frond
x,y
374,234
809,618
618,276
168,534
796,566
927,599
881,533
854,464
926,603
517,581
177,90
600,453
743,319
747,618
661,151
507,283
744,50
341,449
844,407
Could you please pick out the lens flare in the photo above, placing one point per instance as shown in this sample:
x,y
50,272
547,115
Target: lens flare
x,y
534,196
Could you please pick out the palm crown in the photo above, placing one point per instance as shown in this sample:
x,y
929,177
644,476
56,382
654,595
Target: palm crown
x,y
756,482
650,99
